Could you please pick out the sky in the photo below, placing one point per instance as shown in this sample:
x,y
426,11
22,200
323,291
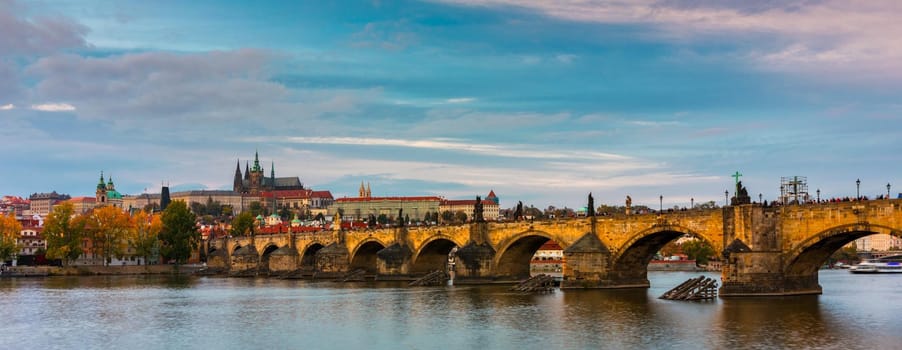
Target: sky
x,y
540,101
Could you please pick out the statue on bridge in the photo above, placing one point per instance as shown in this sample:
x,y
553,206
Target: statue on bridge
x,y
742,195
590,210
518,213
400,217
629,205
477,210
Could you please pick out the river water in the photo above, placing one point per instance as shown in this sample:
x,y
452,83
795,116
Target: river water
x,y
153,312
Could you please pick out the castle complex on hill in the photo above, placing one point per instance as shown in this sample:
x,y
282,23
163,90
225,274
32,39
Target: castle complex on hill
x,y
254,183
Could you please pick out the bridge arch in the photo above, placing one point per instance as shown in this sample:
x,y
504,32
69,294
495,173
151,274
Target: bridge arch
x,y
810,255
514,254
364,255
308,255
432,254
631,261
235,248
266,253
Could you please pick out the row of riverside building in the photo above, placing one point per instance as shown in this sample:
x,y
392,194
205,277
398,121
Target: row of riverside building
x,y
249,186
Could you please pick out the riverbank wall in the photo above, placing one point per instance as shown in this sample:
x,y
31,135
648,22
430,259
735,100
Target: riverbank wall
x,y
39,271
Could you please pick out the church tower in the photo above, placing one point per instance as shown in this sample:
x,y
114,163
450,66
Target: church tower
x,y
255,180
272,176
100,194
238,183
362,192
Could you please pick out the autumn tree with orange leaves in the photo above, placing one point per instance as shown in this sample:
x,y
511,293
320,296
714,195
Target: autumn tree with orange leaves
x,y
9,233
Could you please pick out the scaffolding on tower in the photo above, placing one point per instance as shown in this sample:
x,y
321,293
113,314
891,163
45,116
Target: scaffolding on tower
x,y
794,189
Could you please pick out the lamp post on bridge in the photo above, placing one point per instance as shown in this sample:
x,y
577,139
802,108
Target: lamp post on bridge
x,y
818,195
887,190
760,199
692,203
661,203
726,197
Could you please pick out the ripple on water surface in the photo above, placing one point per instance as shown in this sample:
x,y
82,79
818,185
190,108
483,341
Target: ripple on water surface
x,y
153,312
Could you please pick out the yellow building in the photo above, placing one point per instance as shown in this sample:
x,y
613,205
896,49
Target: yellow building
x,y
490,207
878,243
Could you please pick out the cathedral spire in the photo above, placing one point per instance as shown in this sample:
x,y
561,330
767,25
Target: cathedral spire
x,y
247,171
368,193
362,191
236,184
257,162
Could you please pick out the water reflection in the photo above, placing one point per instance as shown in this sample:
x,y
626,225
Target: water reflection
x,y
142,312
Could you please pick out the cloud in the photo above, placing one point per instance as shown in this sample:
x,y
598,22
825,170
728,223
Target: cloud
x,y
53,107
7,107
565,58
215,85
512,151
40,35
460,100
847,36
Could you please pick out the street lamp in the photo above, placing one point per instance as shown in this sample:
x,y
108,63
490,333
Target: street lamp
x,y
692,203
726,198
887,190
818,195
858,189
661,201
760,199
782,195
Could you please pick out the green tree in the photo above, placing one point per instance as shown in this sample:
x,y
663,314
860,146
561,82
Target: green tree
x,y
698,250
145,234
243,225
64,232
447,217
179,234
285,213
9,234
109,227
255,208
847,255
460,217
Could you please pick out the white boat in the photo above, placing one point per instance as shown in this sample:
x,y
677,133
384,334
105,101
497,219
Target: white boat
x,y
886,264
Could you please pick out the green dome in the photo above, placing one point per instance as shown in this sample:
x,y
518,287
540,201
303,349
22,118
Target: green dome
x,y
113,195
296,221
260,217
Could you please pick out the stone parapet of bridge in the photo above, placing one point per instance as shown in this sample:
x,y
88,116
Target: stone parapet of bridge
x,y
766,250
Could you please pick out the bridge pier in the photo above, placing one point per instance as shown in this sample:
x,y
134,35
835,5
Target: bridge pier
x,y
394,260
586,264
477,257
761,274
332,261
284,260
245,261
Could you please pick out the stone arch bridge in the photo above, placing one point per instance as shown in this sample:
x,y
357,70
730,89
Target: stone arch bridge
x,y
766,250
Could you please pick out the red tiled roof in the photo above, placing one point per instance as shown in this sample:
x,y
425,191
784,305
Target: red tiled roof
x,y
373,199
83,199
491,194
459,202
286,194
551,245
296,194
321,194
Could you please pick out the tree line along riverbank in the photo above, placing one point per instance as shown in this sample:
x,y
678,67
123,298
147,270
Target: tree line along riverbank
x,y
88,270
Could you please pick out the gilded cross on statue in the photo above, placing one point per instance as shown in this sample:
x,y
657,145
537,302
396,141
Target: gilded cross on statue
x,y
736,176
